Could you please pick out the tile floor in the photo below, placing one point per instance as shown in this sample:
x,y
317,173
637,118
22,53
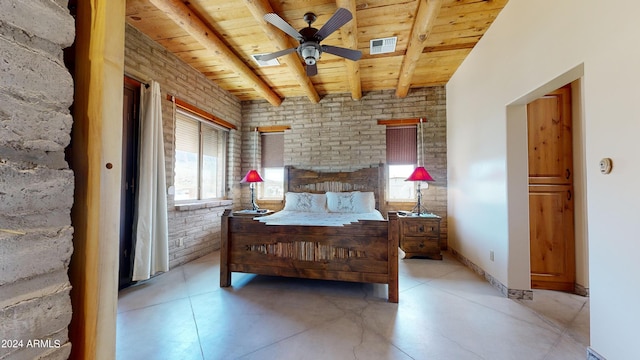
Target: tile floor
x,y
445,312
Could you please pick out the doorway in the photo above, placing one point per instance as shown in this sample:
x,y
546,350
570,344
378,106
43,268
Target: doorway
x,y
519,268
130,126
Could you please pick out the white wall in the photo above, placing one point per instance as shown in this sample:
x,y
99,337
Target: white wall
x,y
534,47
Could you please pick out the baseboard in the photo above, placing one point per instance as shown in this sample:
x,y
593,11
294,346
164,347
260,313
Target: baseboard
x,y
581,290
517,294
593,355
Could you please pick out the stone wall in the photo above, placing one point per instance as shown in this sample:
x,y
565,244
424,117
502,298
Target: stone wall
x,y
340,134
193,230
36,184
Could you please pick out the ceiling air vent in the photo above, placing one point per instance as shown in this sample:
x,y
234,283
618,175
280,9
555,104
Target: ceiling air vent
x,y
382,46
272,62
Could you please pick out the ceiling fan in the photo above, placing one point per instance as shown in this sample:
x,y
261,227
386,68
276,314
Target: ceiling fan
x,y
310,49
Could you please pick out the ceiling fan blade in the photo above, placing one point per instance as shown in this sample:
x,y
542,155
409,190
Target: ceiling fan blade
x,y
312,70
341,17
277,21
267,57
343,52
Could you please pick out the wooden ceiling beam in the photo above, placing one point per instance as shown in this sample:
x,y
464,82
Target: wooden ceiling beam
x,y
428,11
177,11
349,33
451,47
258,9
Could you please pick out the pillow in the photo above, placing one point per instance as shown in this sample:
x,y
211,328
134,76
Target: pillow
x,y
351,202
365,202
305,202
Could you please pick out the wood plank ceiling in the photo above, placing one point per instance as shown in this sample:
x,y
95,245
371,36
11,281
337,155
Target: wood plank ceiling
x,y
218,37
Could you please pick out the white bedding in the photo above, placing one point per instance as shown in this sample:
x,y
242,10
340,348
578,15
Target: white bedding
x,y
285,217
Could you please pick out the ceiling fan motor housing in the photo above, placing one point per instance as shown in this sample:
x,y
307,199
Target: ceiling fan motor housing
x,y
310,52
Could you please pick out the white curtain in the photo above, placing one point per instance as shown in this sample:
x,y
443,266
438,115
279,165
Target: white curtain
x,y
151,229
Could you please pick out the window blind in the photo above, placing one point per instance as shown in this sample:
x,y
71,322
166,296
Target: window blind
x,y
187,135
272,150
401,145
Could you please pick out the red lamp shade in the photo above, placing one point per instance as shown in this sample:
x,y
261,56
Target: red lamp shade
x,y
420,174
252,177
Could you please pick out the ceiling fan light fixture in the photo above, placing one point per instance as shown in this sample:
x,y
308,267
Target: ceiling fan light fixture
x,y
310,53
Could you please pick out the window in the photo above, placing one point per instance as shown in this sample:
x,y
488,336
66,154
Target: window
x,y
272,166
200,159
402,158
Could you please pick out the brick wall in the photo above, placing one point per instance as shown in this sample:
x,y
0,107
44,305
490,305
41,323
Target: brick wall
x,y
340,134
36,185
193,230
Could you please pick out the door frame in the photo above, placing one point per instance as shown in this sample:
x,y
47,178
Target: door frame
x,y
95,215
519,268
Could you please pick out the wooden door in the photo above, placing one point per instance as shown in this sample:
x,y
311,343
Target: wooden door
x,y
552,237
130,123
550,139
551,209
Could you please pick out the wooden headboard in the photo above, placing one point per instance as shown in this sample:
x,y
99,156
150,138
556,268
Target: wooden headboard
x,y
367,179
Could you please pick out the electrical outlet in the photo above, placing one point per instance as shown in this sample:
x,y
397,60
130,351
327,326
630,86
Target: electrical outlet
x,y
491,257
181,242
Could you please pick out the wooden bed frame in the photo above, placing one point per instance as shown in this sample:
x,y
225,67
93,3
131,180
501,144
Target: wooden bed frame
x,y
364,251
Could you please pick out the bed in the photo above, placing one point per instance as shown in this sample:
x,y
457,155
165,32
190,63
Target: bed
x,y
355,250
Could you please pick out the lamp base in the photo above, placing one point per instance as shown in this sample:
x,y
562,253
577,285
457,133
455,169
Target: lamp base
x,y
254,206
419,208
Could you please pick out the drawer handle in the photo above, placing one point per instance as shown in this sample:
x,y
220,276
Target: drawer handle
x,y
421,245
421,228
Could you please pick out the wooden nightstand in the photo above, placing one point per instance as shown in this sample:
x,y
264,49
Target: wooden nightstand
x,y
420,236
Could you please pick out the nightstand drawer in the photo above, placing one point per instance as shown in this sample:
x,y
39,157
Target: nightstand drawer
x,y
420,229
413,244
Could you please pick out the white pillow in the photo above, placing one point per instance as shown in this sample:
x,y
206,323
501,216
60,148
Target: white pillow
x,y
366,202
305,202
351,202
